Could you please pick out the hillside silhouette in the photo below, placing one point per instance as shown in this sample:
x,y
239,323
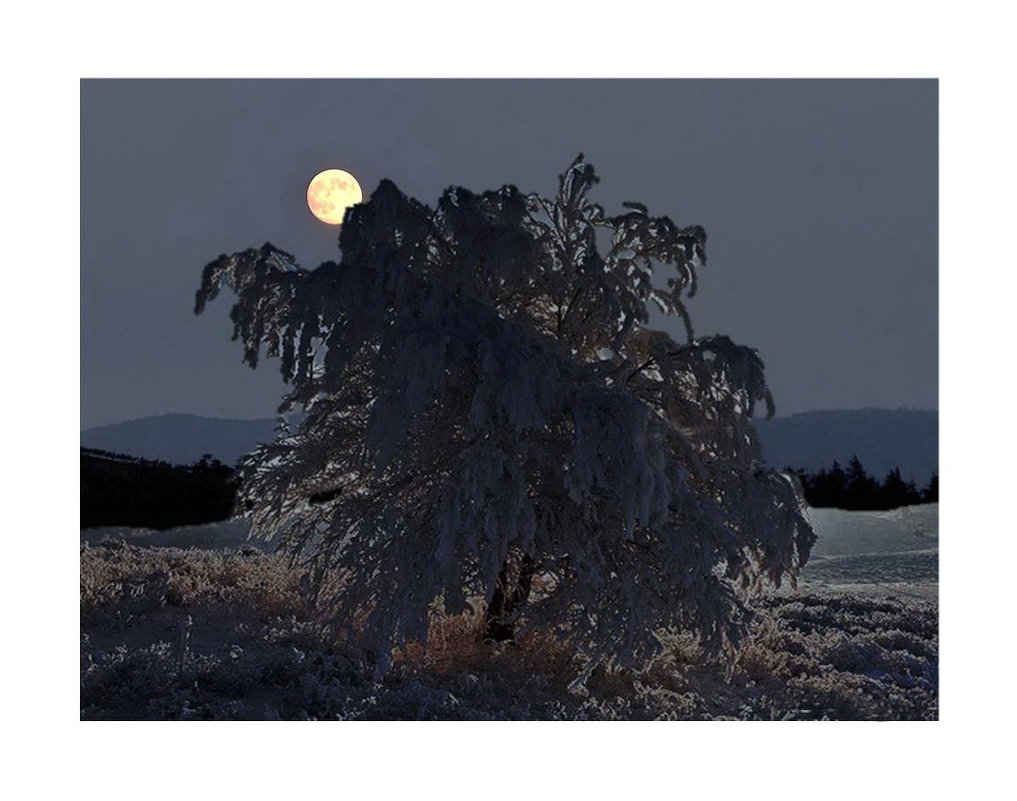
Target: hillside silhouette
x,y
884,439
121,490
181,438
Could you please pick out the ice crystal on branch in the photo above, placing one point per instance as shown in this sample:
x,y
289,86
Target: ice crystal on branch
x,y
487,416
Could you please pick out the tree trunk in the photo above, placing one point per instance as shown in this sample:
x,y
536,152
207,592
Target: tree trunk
x,y
502,612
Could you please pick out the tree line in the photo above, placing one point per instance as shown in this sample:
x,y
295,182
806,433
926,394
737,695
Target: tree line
x,y
854,489
121,490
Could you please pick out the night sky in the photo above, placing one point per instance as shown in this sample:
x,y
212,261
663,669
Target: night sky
x,y
819,199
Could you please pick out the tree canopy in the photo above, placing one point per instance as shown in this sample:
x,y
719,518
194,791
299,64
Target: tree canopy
x,y
486,408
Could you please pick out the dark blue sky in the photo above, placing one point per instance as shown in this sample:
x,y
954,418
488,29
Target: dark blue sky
x,y
819,199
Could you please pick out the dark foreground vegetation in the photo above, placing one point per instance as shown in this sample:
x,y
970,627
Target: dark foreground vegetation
x,y
853,488
174,634
120,490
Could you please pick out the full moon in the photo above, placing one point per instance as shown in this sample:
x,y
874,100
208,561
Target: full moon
x,y
330,193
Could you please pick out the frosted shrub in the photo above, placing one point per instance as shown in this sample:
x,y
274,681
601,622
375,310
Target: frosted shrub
x,y
486,411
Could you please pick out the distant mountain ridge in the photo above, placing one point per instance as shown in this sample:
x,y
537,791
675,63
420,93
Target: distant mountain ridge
x,y
882,439
181,438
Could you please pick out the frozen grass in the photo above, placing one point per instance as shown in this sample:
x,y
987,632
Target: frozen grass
x,y
175,634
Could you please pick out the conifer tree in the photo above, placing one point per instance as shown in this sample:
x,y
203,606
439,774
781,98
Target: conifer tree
x,y
895,491
861,489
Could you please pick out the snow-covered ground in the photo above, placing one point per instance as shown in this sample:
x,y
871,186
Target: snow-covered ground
x,y
213,631
908,530
894,552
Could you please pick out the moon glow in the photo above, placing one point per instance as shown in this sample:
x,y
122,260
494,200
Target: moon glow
x,y
330,193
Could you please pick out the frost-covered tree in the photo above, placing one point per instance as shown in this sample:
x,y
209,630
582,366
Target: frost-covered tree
x,y
488,416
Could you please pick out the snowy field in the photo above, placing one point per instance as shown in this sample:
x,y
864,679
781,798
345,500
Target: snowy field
x,y
895,552
194,623
227,534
